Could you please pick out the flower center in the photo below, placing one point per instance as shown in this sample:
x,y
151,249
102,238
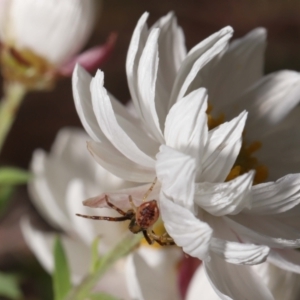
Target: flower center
x,y
26,67
246,160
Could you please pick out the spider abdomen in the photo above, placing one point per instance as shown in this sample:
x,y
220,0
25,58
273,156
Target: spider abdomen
x,y
147,214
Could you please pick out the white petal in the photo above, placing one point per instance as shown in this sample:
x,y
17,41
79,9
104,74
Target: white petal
x,y
81,81
280,144
74,197
200,285
47,189
151,274
83,103
136,133
55,30
187,231
146,81
270,100
241,65
186,124
176,172
286,259
276,197
235,282
283,284
271,231
227,244
223,146
119,165
135,49
111,128
41,244
225,198
171,51
198,57
239,253
69,147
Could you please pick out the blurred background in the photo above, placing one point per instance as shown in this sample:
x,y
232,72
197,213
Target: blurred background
x,y
43,114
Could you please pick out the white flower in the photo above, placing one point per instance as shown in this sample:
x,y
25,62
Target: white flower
x,y
62,179
44,37
282,284
227,224
126,145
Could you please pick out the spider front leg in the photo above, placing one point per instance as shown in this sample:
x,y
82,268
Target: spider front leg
x,y
117,219
125,215
120,211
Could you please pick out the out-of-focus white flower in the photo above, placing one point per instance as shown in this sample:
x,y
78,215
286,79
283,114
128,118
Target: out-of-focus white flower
x,y
42,38
282,284
227,224
62,180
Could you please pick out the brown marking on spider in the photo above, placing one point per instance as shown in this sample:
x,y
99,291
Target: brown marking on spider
x,y
142,219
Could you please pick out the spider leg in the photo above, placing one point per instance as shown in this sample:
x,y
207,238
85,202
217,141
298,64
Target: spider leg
x,y
117,219
131,203
163,240
150,190
147,237
120,211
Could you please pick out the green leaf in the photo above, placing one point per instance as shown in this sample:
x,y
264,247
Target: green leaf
x,y
101,296
61,274
13,176
9,286
5,195
95,255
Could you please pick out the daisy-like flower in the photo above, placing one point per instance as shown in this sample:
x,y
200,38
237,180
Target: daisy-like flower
x,y
206,166
124,144
61,180
39,40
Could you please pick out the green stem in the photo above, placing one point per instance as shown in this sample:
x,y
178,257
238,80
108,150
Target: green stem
x,y
83,290
13,95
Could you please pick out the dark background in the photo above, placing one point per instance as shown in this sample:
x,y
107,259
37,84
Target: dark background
x,y
43,114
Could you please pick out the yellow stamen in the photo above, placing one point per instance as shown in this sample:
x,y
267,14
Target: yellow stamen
x,y
245,160
235,172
